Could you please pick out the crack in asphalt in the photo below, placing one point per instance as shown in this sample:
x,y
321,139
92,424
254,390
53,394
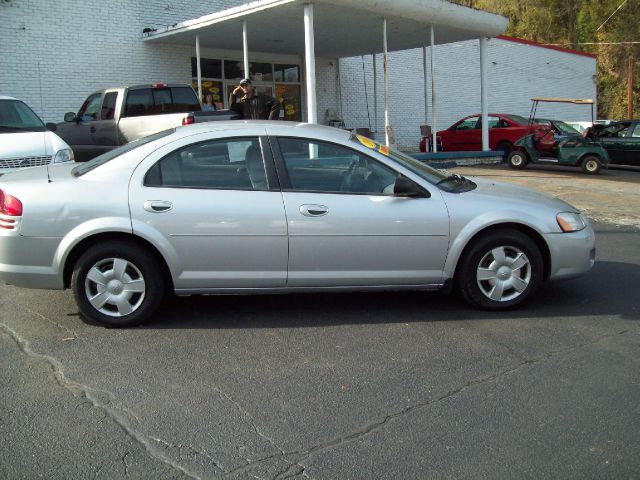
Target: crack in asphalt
x,y
92,395
299,456
53,322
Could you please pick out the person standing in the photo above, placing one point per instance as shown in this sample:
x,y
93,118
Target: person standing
x,y
208,105
251,105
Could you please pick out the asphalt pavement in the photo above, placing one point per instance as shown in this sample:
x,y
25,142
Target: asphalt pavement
x,y
340,386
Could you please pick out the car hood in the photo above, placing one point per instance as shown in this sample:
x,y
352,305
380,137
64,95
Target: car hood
x,y
514,195
25,144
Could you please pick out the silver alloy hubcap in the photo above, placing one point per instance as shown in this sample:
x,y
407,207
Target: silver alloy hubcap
x,y
503,273
115,287
516,160
592,165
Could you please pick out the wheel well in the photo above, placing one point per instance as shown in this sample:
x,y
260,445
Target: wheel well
x,y
88,242
504,142
589,154
530,232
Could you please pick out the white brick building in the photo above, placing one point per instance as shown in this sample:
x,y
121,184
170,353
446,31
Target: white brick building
x,y
54,53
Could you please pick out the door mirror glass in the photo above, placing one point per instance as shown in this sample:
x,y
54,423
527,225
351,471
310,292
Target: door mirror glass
x,y
405,187
69,117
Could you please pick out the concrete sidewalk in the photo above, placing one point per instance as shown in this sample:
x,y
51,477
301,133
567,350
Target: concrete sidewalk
x,y
610,197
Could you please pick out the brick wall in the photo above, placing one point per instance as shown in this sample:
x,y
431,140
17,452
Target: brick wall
x,y
53,53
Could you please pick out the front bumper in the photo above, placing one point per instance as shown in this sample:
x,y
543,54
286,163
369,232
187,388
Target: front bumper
x,y
572,254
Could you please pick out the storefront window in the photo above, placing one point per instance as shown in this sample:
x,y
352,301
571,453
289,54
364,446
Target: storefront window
x,y
209,68
211,87
286,73
220,77
289,98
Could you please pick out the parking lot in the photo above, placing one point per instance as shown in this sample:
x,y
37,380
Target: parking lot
x,y
327,386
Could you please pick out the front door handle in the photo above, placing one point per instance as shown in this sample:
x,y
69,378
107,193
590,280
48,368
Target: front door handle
x,y
157,206
314,210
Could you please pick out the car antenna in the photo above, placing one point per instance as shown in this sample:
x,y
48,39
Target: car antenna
x,y
48,176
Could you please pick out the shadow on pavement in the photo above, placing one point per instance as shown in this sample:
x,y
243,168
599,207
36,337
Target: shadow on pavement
x,y
609,289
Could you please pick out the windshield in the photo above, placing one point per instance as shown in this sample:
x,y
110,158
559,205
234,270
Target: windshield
x,y
565,128
421,169
86,167
16,116
518,119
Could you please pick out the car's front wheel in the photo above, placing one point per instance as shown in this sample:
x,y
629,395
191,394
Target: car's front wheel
x,y
500,270
117,284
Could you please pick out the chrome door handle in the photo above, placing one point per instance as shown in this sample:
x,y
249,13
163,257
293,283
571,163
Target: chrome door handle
x,y
314,210
157,206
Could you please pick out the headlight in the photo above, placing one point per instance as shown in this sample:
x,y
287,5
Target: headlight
x,y
570,221
64,155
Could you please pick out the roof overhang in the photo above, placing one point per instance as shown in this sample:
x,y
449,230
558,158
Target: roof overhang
x,y
342,28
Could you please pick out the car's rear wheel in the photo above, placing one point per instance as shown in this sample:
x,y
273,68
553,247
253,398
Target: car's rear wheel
x,y
500,270
117,284
591,165
517,159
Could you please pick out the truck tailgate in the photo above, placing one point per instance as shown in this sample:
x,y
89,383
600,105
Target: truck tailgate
x,y
132,128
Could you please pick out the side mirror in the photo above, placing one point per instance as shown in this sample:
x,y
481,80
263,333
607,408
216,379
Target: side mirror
x,y
69,117
405,187
51,126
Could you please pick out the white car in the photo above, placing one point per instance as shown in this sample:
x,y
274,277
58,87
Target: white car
x,y
24,139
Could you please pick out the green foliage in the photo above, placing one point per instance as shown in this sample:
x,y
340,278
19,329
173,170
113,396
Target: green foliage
x,y
574,23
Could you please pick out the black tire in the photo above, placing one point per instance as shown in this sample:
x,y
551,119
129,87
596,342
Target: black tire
x,y
506,148
500,270
517,159
126,284
591,165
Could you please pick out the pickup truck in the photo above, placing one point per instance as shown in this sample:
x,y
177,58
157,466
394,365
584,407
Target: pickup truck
x,y
115,116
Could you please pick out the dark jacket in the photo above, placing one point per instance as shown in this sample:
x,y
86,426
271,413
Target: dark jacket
x,y
258,107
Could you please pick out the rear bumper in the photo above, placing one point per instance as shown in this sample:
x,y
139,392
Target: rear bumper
x,y
29,262
572,254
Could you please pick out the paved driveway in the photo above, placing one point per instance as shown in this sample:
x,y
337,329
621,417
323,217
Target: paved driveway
x,y
342,386
611,197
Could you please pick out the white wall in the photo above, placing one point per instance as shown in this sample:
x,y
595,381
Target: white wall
x,y
53,53
517,72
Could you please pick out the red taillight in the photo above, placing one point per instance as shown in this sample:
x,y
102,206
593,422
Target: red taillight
x,y
10,205
188,120
158,85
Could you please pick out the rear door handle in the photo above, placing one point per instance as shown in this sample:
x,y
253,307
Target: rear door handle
x,y
314,210
157,206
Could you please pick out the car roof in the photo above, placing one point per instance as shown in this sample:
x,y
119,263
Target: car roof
x,y
4,97
278,127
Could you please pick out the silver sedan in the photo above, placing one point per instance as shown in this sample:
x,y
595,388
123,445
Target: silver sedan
x,y
265,207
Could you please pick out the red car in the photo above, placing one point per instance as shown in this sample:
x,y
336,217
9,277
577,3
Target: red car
x,y
466,134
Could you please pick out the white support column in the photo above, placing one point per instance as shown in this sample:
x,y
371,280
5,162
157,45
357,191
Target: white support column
x,y
198,68
386,84
433,91
245,49
375,94
426,88
484,94
310,64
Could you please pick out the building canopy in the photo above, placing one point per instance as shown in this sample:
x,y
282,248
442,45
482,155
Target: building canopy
x,y
343,28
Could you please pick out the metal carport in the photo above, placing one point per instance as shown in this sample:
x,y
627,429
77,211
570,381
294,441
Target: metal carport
x,y
340,28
